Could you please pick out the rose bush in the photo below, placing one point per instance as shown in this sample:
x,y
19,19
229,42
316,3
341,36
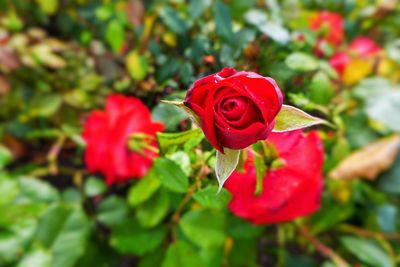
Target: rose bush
x,y
289,191
59,60
107,134
236,109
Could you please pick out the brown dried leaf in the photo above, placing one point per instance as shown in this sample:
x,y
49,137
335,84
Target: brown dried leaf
x,y
369,161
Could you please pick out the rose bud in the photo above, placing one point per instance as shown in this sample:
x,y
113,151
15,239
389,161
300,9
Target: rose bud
x,y
107,134
291,190
236,109
329,26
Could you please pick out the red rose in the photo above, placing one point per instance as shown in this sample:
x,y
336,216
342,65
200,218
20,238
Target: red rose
x,y
236,109
331,27
361,47
290,191
107,133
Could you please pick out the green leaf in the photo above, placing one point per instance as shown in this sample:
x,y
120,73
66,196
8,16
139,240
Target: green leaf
x,y
46,105
242,39
393,50
367,251
48,6
9,189
169,115
197,8
226,55
205,228
153,211
255,17
223,21
130,237
238,8
321,90
15,238
171,175
154,258
112,210
241,229
260,164
386,216
115,35
173,21
183,160
208,198
40,258
37,190
244,247
390,180
64,230
212,256
330,215
290,118
72,196
94,186
301,62
276,31
225,165
137,65
104,12
168,140
385,109
181,254
340,150
144,189
5,156
193,116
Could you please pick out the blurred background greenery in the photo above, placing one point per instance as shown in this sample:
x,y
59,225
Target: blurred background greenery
x,y
59,59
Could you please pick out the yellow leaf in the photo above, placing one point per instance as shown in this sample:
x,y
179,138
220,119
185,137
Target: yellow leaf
x,y
137,65
356,70
369,161
386,67
169,38
48,6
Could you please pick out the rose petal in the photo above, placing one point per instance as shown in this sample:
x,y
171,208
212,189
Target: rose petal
x,y
291,191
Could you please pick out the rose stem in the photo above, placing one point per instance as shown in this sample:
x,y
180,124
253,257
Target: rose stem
x,y
323,249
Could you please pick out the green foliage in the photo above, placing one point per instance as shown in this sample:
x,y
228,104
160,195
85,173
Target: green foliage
x,y
171,175
301,62
205,228
113,210
181,254
206,198
144,189
367,251
94,187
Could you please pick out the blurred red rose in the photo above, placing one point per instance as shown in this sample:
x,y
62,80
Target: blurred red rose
x,y
330,28
290,191
361,47
107,133
236,109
